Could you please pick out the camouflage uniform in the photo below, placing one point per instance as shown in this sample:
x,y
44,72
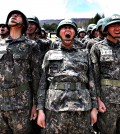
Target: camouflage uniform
x,y
106,61
91,42
89,35
101,34
67,91
43,46
18,78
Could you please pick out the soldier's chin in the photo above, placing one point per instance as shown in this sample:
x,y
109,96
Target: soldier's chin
x,y
12,24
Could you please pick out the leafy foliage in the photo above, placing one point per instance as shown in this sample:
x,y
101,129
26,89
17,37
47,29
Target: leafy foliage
x,y
50,27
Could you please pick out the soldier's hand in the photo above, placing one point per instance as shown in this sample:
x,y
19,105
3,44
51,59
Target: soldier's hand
x,y
101,106
93,116
41,119
33,113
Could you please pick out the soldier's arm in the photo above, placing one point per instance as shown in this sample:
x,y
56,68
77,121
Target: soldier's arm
x,y
94,53
41,92
93,94
96,70
35,65
92,88
41,96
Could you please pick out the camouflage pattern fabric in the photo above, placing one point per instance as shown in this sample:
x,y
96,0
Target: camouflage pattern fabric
x,y
67,122
106,64
92,41
107,121
44,46
15,122
72,66
19,67
19,78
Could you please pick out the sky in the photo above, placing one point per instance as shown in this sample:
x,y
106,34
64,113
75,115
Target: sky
x,y
60,9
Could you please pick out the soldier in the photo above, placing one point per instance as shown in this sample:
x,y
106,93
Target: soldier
x,y
66,90
31,33
102,34
100,37
4,31
105,57
18,69
94,32
81,33
88,33
43,33
33,27
57,43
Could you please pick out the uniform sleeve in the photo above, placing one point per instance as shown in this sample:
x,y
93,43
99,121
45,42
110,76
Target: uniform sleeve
x,y
94,53
92,88
35,64
43,84
42,92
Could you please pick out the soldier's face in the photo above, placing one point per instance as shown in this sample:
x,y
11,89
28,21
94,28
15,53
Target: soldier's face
x,y
15,19
67,34
95,33
31,28
82,34
114,30
3,30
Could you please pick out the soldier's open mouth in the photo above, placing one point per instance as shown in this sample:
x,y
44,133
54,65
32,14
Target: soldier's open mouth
x,y
117,33
67,35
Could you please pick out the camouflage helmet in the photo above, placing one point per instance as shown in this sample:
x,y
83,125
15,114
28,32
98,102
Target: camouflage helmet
x,y
90,27
78,28
100,23
66,22
81,30
35,20
25,22
4,24
115,18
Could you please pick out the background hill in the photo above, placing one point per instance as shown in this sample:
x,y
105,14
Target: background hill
x,y
50,25
50,21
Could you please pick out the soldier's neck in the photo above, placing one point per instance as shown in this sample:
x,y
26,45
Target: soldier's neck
x,y
15,33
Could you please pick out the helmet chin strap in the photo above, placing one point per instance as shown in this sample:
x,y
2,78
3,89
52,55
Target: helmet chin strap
x,y
114,37
20,23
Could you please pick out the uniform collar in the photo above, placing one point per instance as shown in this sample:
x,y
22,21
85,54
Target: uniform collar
x,y
113,44
10,40
68,49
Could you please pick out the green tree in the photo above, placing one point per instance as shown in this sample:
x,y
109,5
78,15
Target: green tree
x,y
94,20
54,26
50,27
